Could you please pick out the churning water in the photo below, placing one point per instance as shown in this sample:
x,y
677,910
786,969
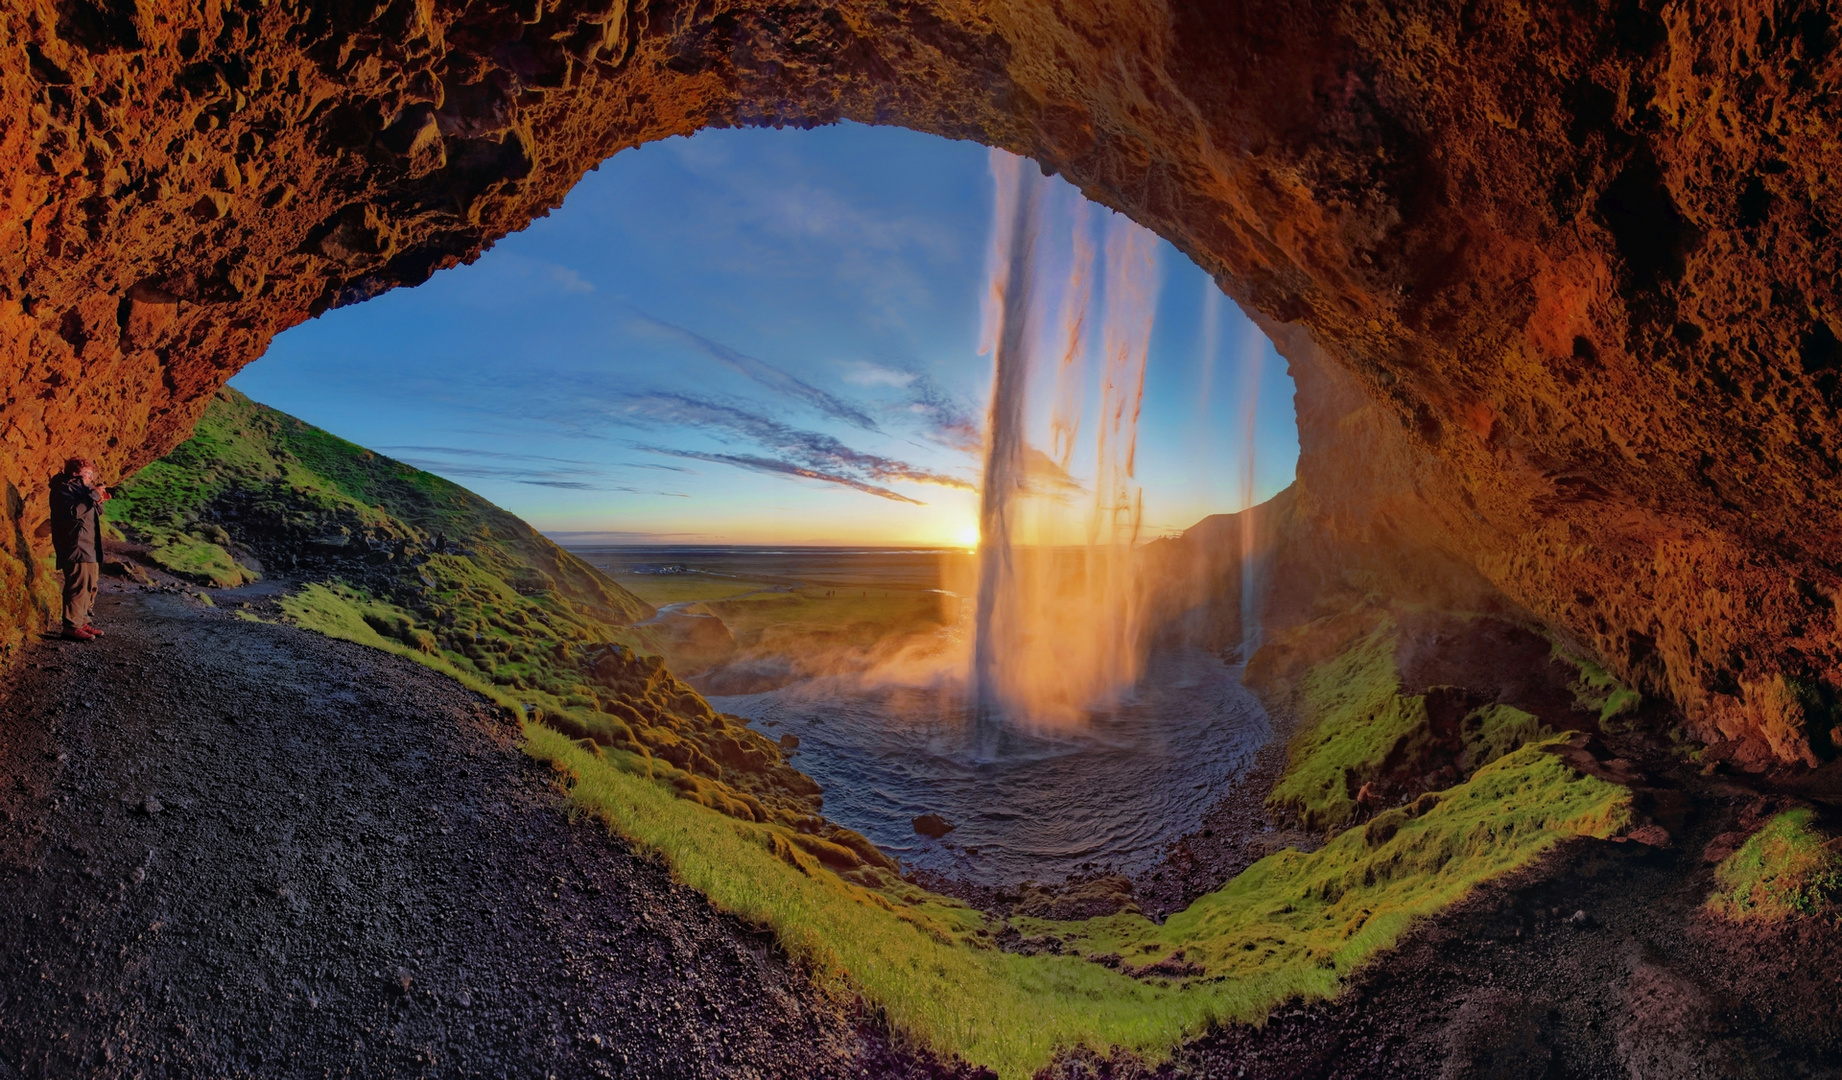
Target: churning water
x,y
1110,793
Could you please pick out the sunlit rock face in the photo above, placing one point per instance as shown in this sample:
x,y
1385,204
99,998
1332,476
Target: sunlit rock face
x,y
1575,264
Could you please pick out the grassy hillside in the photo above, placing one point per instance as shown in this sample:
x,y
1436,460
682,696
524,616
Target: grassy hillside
x,y
400,558
1361,729
298,497
1292,926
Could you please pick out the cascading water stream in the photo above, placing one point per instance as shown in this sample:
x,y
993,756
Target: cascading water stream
x,y
1011,279
1057,629
1255,554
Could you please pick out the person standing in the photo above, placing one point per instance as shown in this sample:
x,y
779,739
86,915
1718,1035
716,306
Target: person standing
x,y
76,536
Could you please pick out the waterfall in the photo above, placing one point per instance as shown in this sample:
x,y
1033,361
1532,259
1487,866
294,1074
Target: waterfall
x,y
1010,273
1253,561
1057,629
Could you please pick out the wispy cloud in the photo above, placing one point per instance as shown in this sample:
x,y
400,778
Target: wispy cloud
x,y
544,477
572,475
945,419
568,280
787,468
811,451
468,451
864,373
766,374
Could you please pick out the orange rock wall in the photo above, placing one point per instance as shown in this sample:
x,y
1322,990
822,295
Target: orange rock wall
x,y
1578,260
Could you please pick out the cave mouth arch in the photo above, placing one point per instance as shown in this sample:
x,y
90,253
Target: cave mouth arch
x,y
1435,216
710,310
701,318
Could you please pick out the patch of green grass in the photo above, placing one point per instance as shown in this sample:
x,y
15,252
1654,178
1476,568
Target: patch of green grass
x,y
1789,867
1339,905
1356,726
1292,926
343,613
202,561
1495,730
1352,716
630,708
792,621
1599,689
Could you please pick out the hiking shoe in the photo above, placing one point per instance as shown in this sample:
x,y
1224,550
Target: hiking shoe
x,y
93,632
79,633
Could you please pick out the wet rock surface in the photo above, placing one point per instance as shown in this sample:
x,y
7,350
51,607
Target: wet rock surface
x,y
930,825
232,848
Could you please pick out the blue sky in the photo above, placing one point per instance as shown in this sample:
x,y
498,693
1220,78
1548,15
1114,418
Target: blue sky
x,y
754,336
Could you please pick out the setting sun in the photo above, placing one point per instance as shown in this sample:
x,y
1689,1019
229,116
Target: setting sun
x,y
968,535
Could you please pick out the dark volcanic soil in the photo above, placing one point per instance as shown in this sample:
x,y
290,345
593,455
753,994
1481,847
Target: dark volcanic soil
x,y
230,848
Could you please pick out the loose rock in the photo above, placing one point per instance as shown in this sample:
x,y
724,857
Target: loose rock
x,y
933,826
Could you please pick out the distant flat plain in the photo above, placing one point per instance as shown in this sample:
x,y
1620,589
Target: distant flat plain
x,y
793,601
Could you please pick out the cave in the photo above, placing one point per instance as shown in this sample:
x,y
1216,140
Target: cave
x,y
1577,338
1553,283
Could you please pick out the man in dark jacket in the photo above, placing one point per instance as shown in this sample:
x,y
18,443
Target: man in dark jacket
x,y
76,536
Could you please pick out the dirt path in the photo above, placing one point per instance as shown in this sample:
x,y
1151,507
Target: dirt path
x,y
237,849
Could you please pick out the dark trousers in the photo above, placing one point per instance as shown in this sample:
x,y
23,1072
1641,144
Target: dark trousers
x,y
79,594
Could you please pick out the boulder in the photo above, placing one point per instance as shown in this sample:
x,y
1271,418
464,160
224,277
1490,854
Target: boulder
x,y
932,826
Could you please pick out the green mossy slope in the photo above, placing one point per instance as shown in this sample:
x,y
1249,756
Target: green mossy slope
x,y
1360,728
297,496
1292,926
1789,867
393,555
1352,719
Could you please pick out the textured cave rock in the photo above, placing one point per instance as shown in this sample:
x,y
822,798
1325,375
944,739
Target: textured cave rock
x,y
1571,267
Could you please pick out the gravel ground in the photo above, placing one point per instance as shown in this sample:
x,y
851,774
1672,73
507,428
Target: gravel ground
x,y
229,848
